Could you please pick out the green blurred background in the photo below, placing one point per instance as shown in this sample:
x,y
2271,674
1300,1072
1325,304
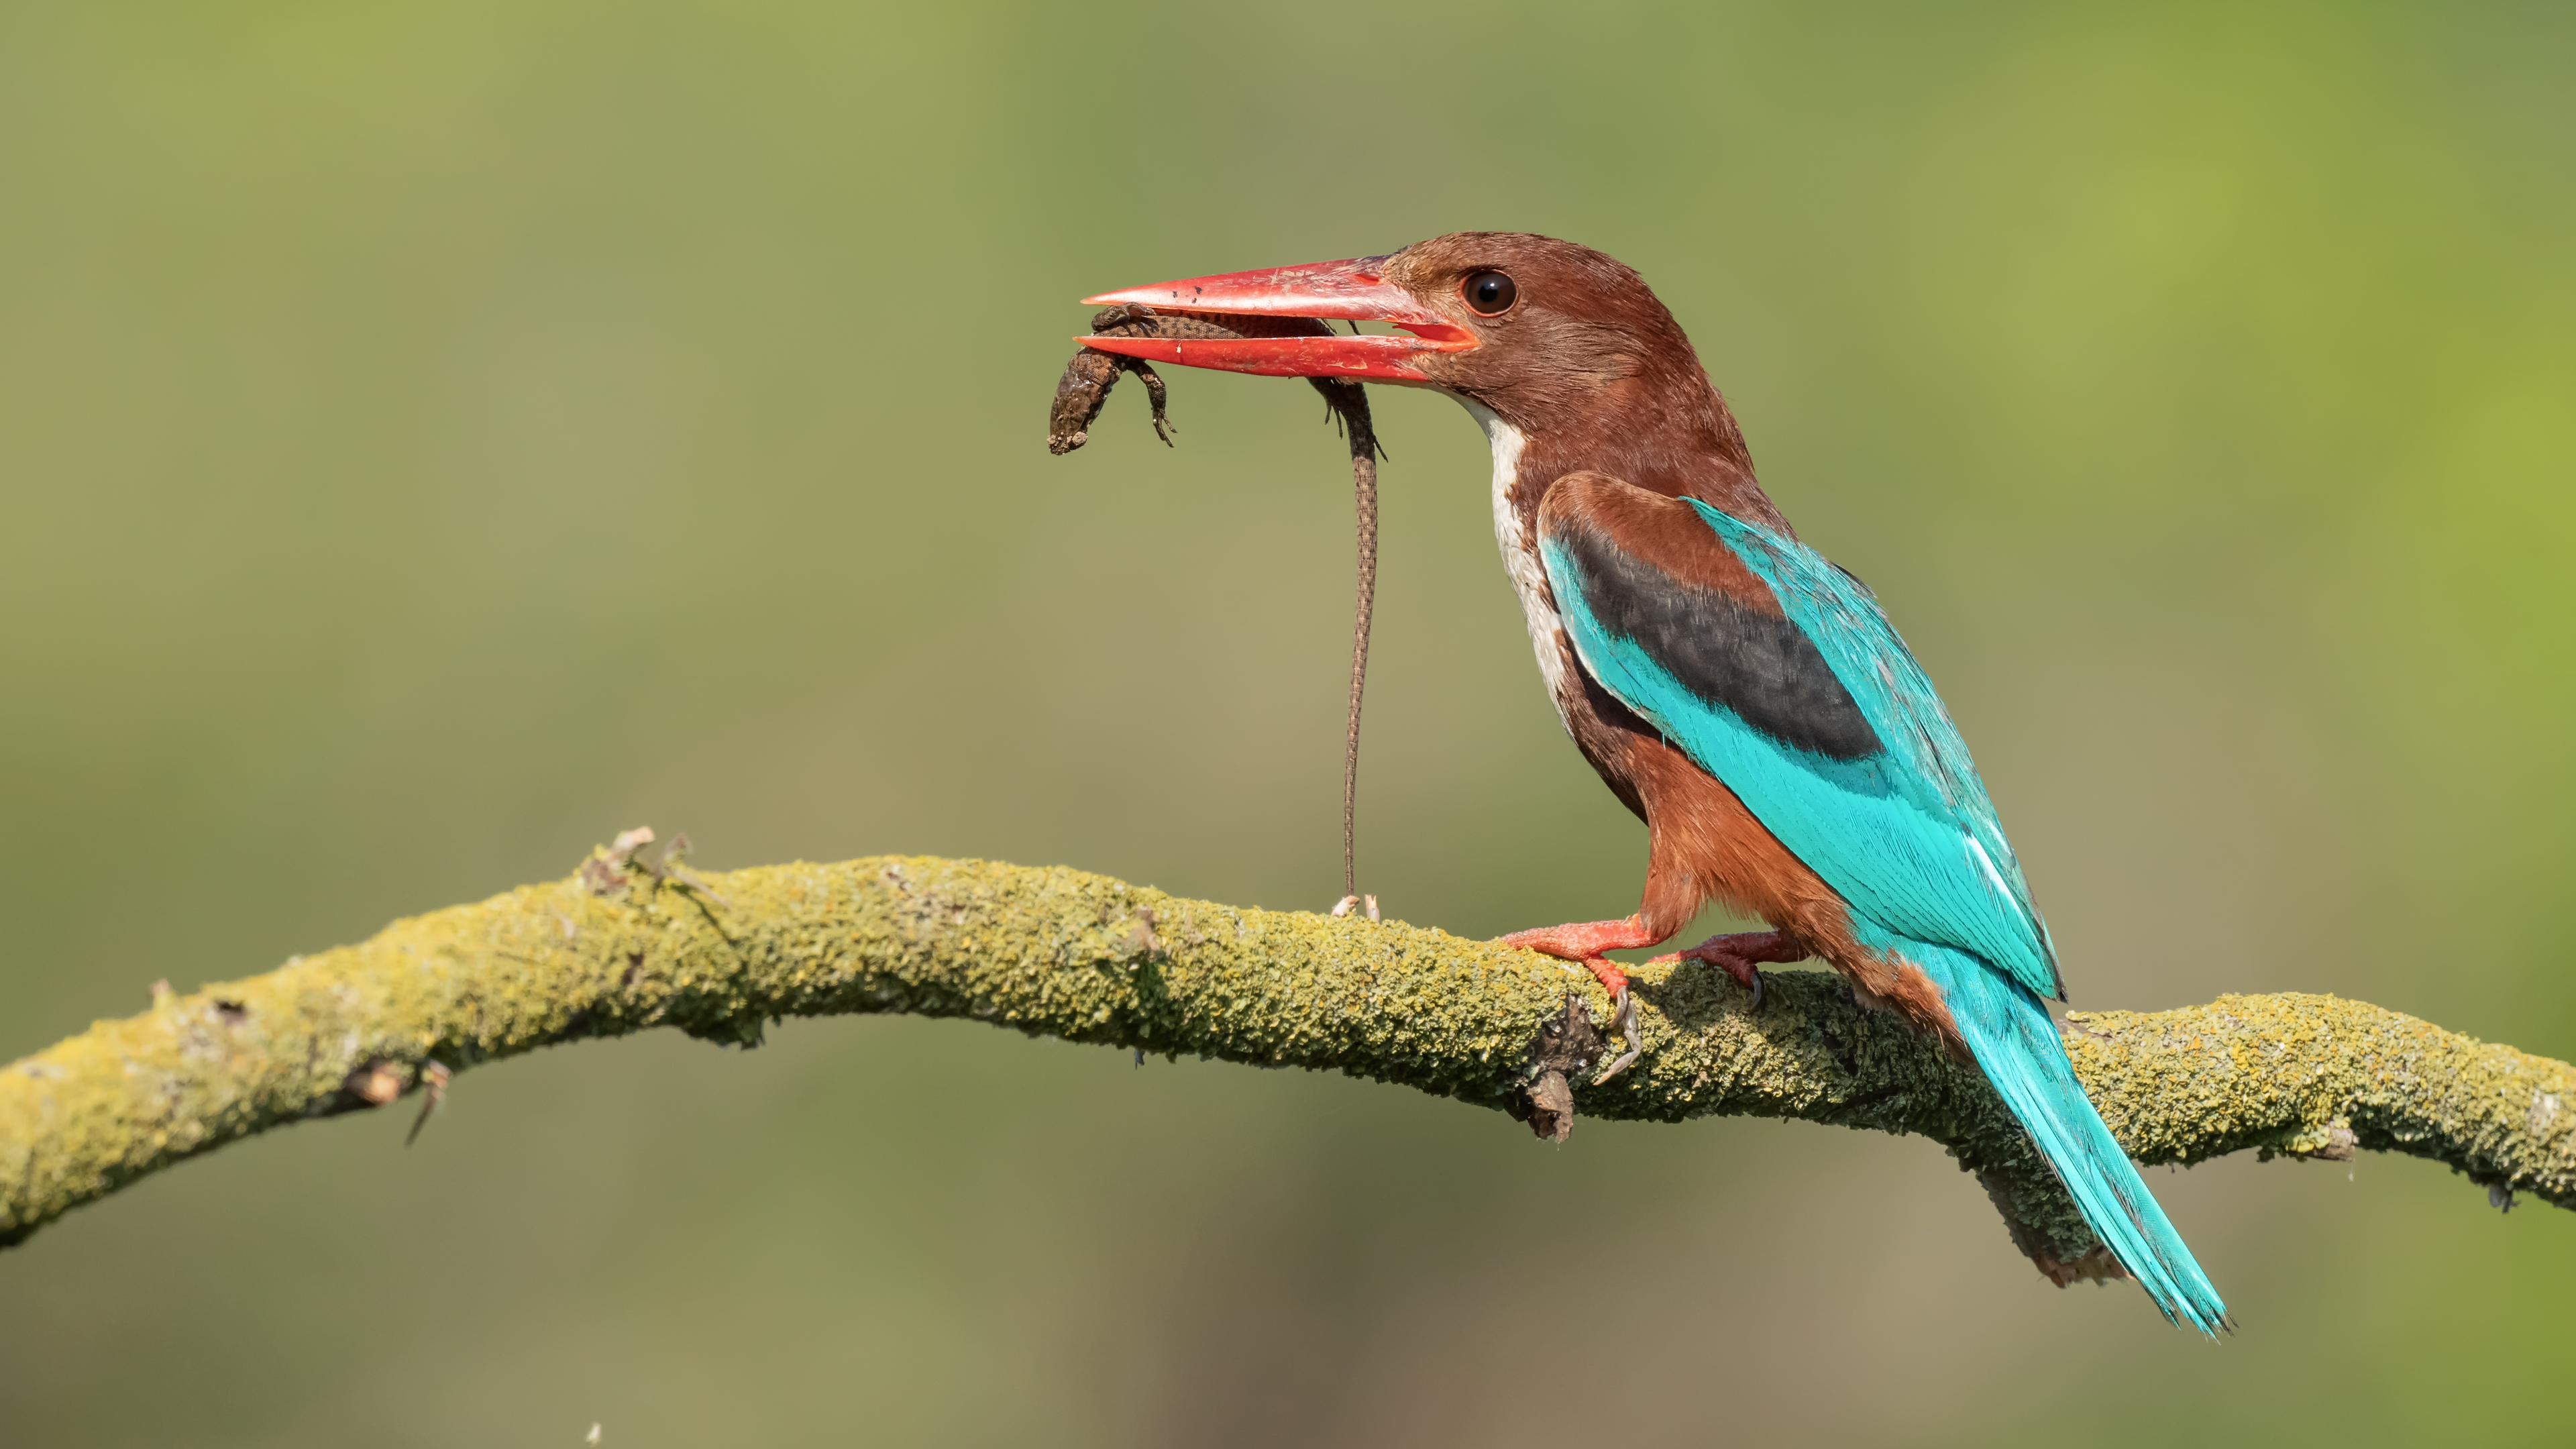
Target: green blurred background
x,y
433,437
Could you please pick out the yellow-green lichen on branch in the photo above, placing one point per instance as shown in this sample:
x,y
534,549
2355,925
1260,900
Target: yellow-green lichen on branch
x,y
621,948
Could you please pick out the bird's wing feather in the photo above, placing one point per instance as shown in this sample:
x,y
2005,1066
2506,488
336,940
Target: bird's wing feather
x,y
1778,673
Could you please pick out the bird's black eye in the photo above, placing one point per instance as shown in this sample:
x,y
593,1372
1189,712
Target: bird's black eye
x,y
1489,294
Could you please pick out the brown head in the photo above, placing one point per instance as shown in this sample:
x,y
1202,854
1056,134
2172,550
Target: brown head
x,y
1562,344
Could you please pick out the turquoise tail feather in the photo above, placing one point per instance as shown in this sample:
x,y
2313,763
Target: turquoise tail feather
x,y
2013,1040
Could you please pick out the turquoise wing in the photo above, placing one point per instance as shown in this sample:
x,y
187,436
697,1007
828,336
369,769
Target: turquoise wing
x,y
1861,775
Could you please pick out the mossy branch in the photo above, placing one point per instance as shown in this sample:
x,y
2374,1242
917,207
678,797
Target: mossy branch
x,y
621,948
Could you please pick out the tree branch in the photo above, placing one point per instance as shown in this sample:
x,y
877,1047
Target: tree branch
x,y
621,948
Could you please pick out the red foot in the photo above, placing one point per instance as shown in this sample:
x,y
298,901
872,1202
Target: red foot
x,y
1735,955
1584,941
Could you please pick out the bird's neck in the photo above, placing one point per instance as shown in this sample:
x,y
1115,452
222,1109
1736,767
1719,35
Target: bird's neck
x,y
1671,435
1516,534
1697,454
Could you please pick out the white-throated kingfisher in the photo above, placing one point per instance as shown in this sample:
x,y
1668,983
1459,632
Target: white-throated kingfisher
x,y
1746,698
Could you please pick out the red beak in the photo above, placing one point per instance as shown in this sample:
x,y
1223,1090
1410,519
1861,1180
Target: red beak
x,y
1351,291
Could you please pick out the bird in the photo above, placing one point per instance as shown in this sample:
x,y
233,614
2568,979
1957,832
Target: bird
x,y
1746,698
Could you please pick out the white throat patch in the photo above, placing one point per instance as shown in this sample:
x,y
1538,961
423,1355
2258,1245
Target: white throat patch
x,y
1520,555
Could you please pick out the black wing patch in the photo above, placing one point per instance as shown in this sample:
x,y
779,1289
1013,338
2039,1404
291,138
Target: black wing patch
x,y
1758,665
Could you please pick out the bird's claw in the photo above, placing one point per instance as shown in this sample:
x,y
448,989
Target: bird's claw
x,y
1741,967
1624,1019
1365,905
